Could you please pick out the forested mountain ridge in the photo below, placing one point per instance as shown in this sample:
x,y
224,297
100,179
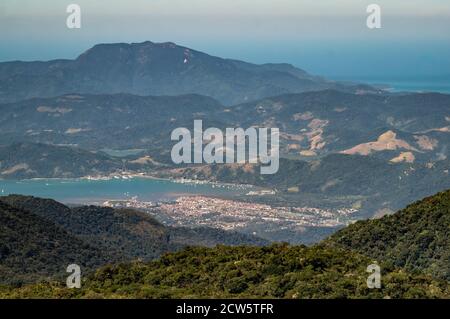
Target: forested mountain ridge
x,y
277,271
34,249
405,128
416,238
40,237
36,160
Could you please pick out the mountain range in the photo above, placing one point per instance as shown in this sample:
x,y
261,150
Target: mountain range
x,y
157,69
397,128
112,110
379,150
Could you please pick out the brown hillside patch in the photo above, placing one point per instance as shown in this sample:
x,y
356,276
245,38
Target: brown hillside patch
x,y
386,141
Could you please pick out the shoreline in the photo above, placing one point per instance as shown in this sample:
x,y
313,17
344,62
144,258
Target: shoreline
x,y
137,176
48,188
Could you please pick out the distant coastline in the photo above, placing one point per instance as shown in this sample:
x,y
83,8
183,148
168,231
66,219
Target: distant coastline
x,y
415,84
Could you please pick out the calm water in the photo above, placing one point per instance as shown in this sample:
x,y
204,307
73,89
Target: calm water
x,y
97,191
439,84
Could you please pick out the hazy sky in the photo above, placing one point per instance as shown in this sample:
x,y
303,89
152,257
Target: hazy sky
x,y
327,37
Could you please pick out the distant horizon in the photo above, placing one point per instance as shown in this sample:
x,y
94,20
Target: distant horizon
x,y
438,82
326,38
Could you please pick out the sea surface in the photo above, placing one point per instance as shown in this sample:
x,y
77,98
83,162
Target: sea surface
x,y
439,84
84,191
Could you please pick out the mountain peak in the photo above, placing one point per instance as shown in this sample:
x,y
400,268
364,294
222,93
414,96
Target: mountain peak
x,y
150,68
102,47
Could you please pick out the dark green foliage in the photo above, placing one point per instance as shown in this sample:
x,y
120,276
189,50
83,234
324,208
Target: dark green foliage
x,y
404,244
209,237
277,271
33,248
124,234
416,238
113,235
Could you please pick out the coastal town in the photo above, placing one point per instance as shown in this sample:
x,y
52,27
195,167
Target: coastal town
x,y
232,215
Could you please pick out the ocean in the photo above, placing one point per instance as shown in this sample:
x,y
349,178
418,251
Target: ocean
x,y
439,84
83,191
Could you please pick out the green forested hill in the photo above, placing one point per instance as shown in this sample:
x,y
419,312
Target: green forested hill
x,y
277,271
411,247
32,160
40,236
416,238
124,234
33,248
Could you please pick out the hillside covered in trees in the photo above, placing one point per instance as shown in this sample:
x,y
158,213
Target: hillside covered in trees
x,y
277,271
33,248
416,238
39,238
411,247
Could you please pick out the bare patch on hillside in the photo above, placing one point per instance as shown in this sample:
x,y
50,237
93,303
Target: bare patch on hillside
x,y
76,130
315,135
293,147
426,143
144,160
308,153
406,157
445,129
302,116
16,168
386,141
292,137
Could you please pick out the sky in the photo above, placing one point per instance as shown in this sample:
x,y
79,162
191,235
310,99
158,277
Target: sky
x,y
324,37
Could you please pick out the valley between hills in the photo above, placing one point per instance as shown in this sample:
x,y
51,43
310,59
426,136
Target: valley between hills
x,y
352,157
411,247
